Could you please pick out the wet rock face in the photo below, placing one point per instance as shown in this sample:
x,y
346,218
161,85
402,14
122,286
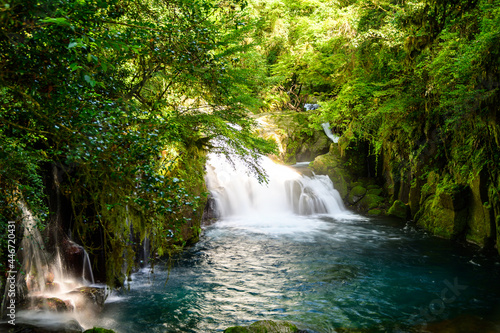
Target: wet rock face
x,y
210,212
73,257
52,304
83,298
93,297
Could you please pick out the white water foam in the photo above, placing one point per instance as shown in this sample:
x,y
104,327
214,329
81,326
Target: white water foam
x,y
329,134
285,205
49,282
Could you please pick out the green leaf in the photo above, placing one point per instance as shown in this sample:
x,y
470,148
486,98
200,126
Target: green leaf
x,y
56,20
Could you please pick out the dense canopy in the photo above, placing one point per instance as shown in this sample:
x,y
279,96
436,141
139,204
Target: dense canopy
x,y
115,103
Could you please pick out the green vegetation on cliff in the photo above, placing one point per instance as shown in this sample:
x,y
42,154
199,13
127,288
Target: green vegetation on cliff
x,y
417,81
107,109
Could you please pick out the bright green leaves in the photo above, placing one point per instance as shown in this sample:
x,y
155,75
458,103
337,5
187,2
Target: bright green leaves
x,y
122,98
56,20
400,74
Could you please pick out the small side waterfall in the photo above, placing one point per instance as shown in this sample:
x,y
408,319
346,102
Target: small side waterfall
x,y
56,285
328,132
238,194
46,273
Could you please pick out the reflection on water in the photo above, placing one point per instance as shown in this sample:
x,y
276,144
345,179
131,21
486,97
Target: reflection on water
x,y
322,273
288,250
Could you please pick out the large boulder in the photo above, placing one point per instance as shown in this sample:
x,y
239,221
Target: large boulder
x,y
398,209
357,193
444,212
333,165
481,219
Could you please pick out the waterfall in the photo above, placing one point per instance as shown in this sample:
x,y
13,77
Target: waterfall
x,y
35,259
57,281
328,132
87,273
287,192
48,273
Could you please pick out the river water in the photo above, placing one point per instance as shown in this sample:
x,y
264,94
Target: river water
x,y
290,256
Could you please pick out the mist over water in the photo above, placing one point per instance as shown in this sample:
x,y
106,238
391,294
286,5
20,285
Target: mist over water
x,y
280,252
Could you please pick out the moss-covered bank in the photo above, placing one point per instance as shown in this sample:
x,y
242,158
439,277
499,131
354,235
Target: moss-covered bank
x,y
352,175
296,141
444,203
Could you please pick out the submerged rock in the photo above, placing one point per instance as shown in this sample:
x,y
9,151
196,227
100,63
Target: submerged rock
x,y
266,326
461,324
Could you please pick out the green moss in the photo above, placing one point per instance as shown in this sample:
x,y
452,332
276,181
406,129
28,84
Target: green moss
x,y
441,221
369,201
374,212
398,209
331,165
498,232
376,191
357,183
98,330
480,214
356,194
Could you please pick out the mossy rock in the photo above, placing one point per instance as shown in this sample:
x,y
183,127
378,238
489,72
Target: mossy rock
x,y
357,183
373,187
441,221
376,191
374,212
331,165
444,207
481,217
369,202
264,326
356,194
398,209
99,330
50,303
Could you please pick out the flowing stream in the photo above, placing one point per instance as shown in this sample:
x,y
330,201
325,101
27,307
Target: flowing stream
x,y
290,251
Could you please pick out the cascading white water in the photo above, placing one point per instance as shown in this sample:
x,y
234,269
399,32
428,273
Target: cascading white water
x,y
41,270
56,295
46,274
239,194
329,134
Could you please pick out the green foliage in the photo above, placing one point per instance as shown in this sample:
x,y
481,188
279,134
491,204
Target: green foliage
x,y
123,98
415,78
